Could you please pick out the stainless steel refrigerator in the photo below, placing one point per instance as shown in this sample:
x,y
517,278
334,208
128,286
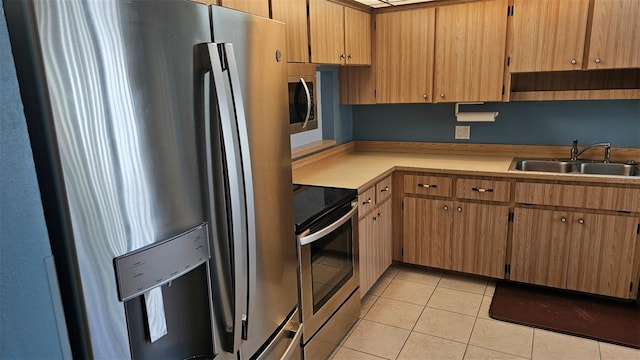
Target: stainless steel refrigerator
x,y
160,136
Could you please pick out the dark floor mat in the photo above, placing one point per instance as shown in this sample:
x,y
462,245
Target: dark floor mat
x,y
601,319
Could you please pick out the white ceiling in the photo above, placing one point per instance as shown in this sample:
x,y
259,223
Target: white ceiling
x,y
385,3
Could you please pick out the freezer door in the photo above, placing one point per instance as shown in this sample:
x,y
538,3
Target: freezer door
x,y
257,299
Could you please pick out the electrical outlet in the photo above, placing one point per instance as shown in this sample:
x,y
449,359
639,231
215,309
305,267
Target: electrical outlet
x,y
463,132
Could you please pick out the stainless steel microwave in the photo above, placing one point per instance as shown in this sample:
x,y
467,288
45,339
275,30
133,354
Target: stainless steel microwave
x,y
302,87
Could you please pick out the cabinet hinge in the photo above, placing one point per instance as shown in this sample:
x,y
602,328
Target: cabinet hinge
x,y
510,10
511,216
638,231
631,286
508,60
375,93
308,12
507,268
502,89
403,208
402,252
309,51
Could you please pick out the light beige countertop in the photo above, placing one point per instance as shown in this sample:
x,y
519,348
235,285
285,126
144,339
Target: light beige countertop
x,y
356,170
359,169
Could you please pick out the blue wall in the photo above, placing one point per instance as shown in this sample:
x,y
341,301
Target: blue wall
x,y
336,119
531,122
28,328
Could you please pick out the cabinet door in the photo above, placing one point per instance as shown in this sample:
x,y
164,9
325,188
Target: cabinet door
x,y
367,244
548,35
427,232
326,32
470,47
256,7
480,239
294,15
602,254
357,37
540,247
615,35
404,56
384,237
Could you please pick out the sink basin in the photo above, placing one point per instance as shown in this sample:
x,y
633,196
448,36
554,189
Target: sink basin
x,y
577,167
556,166
608,169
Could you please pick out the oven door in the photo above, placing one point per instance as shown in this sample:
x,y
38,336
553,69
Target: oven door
x,y
329,266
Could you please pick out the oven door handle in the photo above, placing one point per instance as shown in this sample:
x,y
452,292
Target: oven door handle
x,y
308,239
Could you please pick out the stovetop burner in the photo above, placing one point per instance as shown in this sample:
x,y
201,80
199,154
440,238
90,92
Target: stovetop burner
x,y
312,202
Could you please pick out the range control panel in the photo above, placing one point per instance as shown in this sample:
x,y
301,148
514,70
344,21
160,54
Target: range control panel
x,y
142,270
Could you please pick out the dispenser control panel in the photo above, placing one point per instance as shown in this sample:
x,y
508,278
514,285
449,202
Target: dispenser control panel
x,y
144,269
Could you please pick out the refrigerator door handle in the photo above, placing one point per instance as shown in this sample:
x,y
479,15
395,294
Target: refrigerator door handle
x,y
237,192
243,135
308,94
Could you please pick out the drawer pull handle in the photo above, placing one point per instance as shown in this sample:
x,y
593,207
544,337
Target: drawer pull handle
x,y
386,188
367,202
580,221
428,186
445,208
563,219
481,190
459,209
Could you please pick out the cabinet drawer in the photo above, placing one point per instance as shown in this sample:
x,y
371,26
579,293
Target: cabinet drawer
x,y
587,197
493,190
427,185
383,189
366,201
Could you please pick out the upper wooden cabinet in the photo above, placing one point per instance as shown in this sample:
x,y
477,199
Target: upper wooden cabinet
x,y
615,35
339,34
470,49
294,15
548,35
404,43
256,7
551,35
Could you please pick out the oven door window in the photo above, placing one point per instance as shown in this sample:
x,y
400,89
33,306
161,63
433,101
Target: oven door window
x,y
331,263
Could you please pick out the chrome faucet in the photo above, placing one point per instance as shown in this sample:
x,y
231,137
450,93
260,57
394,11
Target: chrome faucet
x,y
575,153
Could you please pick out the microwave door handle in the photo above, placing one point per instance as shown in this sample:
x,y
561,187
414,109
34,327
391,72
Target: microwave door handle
x,y
308,94
243,134
308,239
236,193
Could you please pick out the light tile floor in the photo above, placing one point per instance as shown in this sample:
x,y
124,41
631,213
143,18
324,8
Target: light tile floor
x,y
413,313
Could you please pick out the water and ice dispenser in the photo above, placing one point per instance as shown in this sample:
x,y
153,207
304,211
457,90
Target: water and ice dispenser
x,y
167,297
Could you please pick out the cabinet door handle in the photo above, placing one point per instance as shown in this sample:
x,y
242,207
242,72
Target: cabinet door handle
x,y
367,202
424,96
442,95
350,57
481,190
386,188
597,60
445,208
342,56
580,221
428,186
459,209
574,61
375,218
379,214
563,219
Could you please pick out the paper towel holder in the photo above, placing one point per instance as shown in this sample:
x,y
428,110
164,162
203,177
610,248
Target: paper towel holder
x,y
487,116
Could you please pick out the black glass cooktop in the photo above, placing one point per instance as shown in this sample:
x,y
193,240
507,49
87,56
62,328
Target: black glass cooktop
x,y
312,202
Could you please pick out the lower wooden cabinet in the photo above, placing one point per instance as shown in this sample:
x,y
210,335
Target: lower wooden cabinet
x,y
461,236
376,247
427,232
479,240
574,250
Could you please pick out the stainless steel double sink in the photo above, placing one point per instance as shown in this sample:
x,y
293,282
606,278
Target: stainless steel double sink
x,y
576,167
